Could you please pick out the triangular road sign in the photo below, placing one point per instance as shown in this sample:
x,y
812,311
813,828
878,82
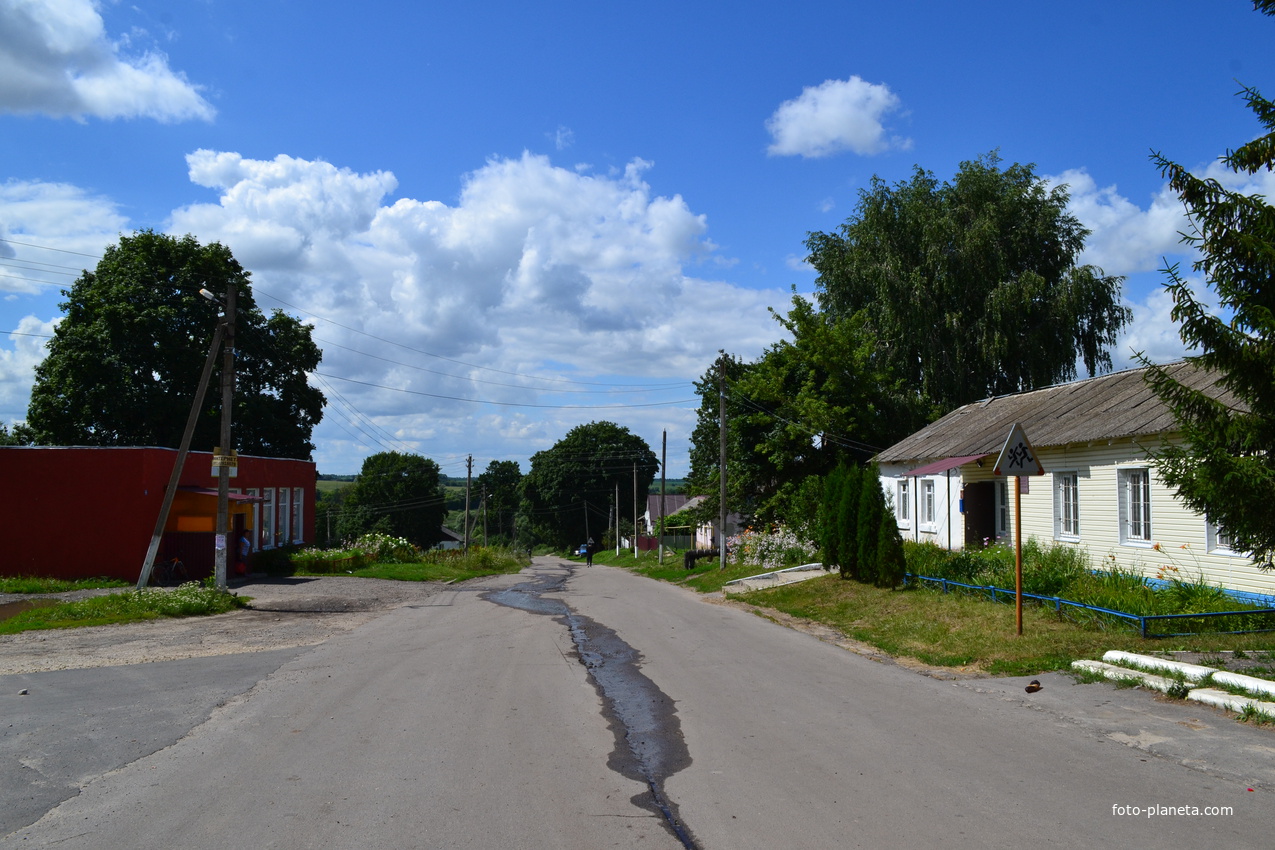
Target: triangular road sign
x,y
1017,458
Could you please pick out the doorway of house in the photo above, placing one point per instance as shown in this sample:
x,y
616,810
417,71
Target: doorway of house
x,y
980,514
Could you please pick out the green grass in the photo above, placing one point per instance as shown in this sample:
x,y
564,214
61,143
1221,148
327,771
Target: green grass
x,y
131,606
438,566
954,630
936,629
37,584
705,578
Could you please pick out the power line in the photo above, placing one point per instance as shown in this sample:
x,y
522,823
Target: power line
x,y
508,403
47,248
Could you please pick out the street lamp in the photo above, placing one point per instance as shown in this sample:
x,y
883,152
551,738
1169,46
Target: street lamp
x,y
225,330
223,457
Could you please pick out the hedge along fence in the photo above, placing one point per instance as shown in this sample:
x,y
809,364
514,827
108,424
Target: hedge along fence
x,y
1170,604
1247,621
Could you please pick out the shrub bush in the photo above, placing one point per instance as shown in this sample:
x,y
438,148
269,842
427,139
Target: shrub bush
x,y
770,550
273,562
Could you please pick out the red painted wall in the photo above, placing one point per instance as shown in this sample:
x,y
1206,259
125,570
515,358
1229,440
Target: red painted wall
x,y
84,512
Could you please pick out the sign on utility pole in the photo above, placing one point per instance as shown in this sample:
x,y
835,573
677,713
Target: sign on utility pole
x,y
1018,459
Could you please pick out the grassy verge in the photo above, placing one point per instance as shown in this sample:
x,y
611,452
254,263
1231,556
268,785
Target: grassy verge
x,y
453,567
705,578
128,607
942,630
953,630
38,584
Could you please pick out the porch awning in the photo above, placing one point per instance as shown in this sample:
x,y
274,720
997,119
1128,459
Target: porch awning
x,y
944,465
208,491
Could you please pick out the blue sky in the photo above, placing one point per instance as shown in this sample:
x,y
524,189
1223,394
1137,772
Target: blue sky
x,y
507,219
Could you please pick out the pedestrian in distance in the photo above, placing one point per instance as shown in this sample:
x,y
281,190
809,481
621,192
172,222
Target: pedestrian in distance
x,y
588,553
244,549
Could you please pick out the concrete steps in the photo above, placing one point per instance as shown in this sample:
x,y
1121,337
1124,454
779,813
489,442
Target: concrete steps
x,y
1146,670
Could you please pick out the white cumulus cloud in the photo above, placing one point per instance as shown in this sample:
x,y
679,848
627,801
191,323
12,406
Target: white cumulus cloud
x,y
835,116
56,59
536,277
1125,238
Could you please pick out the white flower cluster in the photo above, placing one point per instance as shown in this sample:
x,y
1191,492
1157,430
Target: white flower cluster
x,y
387,549
771,550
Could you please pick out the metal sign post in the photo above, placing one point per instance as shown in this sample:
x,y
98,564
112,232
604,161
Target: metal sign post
x,y
1017,459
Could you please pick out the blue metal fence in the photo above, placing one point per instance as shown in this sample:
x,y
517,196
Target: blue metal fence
x,y
1142,621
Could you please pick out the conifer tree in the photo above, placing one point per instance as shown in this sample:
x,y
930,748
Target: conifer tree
x,y
1225,468
848,523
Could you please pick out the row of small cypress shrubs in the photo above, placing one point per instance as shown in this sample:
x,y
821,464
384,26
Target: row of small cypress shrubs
x,y
858,532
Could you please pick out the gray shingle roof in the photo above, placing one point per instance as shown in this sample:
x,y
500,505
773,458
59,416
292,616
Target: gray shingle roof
x,y
1102,408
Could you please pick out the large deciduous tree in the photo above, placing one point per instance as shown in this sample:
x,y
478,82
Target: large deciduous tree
x,y
569,493
395,493
1226,467
972,287
822,398
125,361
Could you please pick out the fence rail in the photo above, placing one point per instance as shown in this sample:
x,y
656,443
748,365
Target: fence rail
x,y
1144,621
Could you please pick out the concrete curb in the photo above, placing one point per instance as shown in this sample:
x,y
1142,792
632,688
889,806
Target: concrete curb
x,y
775,578
1190,672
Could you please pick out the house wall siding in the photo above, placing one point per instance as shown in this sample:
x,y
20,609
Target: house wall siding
x,y
1179,536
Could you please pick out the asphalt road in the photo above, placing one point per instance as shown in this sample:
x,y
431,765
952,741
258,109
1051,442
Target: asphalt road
x,y
468,720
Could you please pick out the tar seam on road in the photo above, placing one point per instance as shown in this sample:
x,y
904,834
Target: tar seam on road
x,y
649,744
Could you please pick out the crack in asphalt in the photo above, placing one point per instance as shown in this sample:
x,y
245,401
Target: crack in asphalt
x,y
649,745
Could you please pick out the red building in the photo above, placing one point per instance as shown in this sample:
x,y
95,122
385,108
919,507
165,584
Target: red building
x,y
84,512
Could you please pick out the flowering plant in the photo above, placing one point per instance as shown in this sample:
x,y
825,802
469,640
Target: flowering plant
x,y
388,549
771,550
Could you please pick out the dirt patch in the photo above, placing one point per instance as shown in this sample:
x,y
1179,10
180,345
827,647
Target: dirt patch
x,y
283,613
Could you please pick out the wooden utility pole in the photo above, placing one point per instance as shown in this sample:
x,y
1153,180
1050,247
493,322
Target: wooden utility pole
x,y
617,519
635,512
659,543
223,457
721,462
179,464
469,476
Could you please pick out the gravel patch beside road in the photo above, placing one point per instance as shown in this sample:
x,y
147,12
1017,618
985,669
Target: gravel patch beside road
x,y
283,613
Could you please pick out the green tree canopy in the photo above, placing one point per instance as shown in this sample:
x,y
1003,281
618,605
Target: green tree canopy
x,y
397,494
804,406
1226,468
569,492
125,361
971,287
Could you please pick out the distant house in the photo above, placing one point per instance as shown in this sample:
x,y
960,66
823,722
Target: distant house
x,y
80,512
1100,490
451,540
672,503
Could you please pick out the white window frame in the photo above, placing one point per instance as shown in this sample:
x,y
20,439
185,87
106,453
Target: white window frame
x,y
283,503
929,505
267,518
1067,505
1218,542
298,505
1135,506
256,517
903,503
